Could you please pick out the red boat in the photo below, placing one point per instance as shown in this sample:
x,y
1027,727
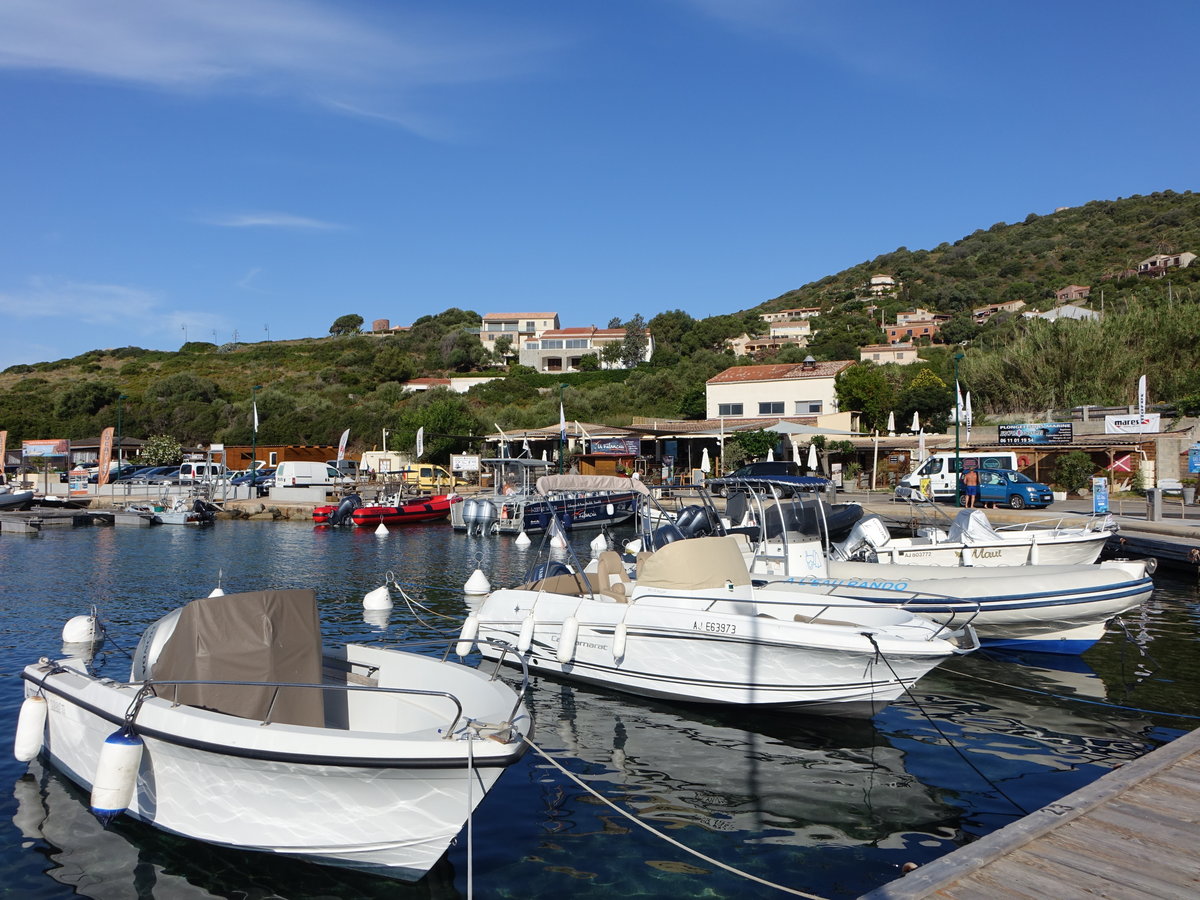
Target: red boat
x,y
412,509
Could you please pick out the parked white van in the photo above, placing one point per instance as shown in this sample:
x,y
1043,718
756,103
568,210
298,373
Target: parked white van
x,y
942,472
202,471
293,474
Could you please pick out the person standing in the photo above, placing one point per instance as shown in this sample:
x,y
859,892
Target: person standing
x,y
970,481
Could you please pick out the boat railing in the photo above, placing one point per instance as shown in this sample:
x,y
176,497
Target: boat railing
x,y
822,605
150,687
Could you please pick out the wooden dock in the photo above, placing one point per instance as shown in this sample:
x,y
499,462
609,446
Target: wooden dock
x,y
1132,833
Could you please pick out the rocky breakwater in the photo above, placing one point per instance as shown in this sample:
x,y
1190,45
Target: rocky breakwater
x,y
257,510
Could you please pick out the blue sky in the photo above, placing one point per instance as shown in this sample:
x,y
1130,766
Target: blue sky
x,y
198,166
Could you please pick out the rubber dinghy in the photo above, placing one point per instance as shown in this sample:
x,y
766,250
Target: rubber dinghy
x,y
237,728
1046,609
690,626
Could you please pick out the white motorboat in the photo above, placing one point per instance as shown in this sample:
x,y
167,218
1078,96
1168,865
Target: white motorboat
x,y
690,626
526,498
972,540
179,511
237,728
1043,608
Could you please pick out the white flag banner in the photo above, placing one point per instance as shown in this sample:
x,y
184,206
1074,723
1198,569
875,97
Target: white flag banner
x,y
342,445
970,417
256,417
562,424
1142,397
420,442
959,410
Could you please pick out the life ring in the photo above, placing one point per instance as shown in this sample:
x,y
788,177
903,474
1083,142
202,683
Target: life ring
x,y
1023,462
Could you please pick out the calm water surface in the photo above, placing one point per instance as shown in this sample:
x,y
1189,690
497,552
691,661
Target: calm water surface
x,y
828,806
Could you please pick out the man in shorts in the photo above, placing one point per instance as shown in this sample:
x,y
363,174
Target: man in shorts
x,y
970,485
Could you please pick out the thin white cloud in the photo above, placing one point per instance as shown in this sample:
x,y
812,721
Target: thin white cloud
x,y
372,63
132,312
272,220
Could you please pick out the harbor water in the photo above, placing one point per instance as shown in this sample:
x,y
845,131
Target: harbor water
x,y
828,806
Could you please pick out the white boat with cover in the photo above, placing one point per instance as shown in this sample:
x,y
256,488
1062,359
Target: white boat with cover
x,y
237,728
690,626
972,540
1044,608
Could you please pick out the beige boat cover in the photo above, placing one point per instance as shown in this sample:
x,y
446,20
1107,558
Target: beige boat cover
x,y
258,636
548,483
705,562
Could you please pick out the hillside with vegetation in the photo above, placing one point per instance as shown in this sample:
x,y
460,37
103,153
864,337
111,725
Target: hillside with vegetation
x,y
310,390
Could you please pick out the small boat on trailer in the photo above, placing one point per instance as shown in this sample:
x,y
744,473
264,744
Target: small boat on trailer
x,y
239,729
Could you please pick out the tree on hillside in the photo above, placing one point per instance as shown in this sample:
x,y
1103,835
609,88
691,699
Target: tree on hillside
x,y
446,418
864,387
633,348
931,397
347,324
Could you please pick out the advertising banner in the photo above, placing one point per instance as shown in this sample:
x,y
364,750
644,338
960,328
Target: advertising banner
x,y
464,462
1037,433
106,442
1099,496
617,446
45,448
1147,424
1194,459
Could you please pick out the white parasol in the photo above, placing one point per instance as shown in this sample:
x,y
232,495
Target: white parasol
x,y
916,422
770,454
705,465
892,423
812,457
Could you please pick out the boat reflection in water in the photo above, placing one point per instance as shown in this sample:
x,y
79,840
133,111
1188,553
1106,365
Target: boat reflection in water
x,y
730,785
130,859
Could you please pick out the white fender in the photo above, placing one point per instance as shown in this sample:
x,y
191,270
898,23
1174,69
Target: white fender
x,y
380,598
1035,554
116,775
599,544
31,728
620,638
567,639
79,630
477,583
525,638
466,637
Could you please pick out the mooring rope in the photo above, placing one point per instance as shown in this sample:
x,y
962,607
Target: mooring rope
x,y
658,834
953,746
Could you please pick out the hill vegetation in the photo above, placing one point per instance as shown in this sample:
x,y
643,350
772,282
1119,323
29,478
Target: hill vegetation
x,y
312,389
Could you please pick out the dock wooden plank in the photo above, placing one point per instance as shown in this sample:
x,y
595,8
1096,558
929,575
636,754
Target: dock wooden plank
x,y
1119,858
1132,833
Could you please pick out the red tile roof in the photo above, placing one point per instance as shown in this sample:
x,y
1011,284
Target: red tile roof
x,y
780,372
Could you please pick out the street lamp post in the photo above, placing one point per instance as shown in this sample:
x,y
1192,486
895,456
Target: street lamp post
x,y
957,451
562,432
120,397
254,442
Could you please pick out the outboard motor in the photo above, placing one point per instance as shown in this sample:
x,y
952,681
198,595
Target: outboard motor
x,y
478,515
867,536
345,510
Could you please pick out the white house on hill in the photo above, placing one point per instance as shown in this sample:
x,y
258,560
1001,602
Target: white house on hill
x,y
805,389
